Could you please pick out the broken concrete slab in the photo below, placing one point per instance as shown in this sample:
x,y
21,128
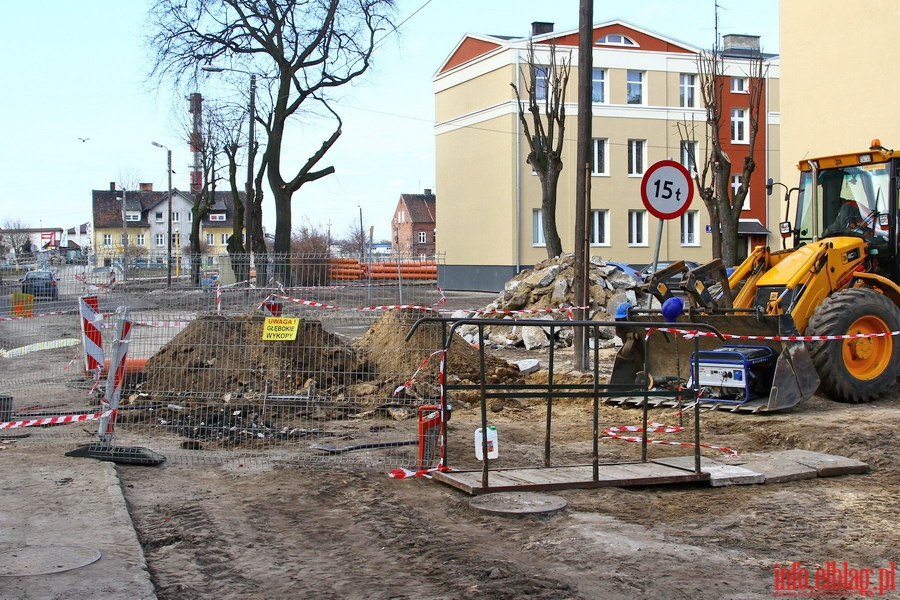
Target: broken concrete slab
x,y
719,473
528,365
826,465
777,469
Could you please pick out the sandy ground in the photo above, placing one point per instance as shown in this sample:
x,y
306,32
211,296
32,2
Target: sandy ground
x,y
293,533
280,531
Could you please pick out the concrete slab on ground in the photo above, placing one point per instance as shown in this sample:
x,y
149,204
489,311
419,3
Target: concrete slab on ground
x,y
826,465
719,473
777,469
773,467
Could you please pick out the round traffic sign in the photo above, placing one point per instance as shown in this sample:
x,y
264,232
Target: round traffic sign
x,y
667,189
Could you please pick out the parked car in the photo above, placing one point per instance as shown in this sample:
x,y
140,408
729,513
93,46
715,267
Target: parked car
x,y
628,269
662,264
40,284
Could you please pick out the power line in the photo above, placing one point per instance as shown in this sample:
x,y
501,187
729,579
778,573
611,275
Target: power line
x,y
401,23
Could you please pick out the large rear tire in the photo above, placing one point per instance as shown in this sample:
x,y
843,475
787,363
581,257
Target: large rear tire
x,y
858,369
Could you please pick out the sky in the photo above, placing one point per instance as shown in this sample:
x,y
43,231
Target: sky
x,y
80,112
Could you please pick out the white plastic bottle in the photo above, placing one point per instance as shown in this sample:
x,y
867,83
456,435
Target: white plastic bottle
x,y
493,448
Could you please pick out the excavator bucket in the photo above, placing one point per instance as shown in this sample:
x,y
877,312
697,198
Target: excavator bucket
x,y
742,366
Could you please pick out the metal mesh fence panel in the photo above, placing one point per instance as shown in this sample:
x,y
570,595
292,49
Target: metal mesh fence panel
x,y
201,381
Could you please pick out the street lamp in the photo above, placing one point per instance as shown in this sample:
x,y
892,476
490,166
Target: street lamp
x,y
169,219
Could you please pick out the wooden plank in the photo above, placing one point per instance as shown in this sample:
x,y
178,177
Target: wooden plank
x,y
568,477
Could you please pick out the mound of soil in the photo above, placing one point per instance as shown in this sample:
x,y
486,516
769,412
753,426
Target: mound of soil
x,y
215,356
386,345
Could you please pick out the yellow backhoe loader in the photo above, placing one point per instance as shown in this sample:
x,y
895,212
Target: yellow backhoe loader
x,y
835,288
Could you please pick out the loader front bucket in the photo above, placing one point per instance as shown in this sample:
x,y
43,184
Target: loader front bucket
x,y
667,356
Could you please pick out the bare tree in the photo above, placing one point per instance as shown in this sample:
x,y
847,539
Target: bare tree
x,y
545,88
12,237
356,240
309,47
713,177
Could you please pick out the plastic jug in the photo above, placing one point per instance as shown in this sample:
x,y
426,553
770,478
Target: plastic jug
x,y
493,449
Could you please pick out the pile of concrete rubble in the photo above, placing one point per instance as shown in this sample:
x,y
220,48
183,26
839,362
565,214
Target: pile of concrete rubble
x,y
549,288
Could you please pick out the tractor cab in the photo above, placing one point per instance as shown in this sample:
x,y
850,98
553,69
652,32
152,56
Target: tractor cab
x,y
851,195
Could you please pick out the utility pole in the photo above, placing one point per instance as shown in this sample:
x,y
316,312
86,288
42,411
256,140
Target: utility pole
x,y
582,175
124,236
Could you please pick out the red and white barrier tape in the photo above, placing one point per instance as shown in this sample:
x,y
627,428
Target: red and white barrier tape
x,y
690,334
55,420
412,379
333,307
43,314
402,473
613,433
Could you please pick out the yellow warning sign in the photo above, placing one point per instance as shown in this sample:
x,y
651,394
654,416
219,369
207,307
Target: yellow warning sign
x,y
280,328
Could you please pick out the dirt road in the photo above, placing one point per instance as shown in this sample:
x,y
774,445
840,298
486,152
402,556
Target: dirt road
x,y
285,532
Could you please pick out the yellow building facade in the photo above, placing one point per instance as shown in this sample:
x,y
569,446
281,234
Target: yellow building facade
x,y
838,91
489,207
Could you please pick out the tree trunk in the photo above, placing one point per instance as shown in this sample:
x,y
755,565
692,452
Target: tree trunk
x,y
548,206
282,248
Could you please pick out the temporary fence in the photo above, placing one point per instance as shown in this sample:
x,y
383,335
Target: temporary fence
x,y
208,378
219,369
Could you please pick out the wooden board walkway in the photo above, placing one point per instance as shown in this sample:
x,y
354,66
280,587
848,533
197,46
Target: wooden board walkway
x,y
568,477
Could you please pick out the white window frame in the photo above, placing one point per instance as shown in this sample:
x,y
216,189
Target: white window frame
x,y
690,223
107,240
736,181
176,217
601,166
160,240
740,85
637,228
616,39
132,216
190,216
537,228
687,90
541,75
423,237
637,157
638,86
598,84
224,238
598,227
210,239
159,216
689,150
740,126
216,216
139,239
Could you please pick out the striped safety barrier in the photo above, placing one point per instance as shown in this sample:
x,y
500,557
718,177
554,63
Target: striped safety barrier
x,y
91,336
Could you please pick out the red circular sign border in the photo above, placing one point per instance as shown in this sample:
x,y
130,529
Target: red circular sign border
x,y
644,181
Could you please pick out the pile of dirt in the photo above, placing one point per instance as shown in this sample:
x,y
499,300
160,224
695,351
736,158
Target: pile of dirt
x,y
219,357
392,355
225,358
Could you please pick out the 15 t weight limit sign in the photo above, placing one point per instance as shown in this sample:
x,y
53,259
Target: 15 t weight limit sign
x,y
667,189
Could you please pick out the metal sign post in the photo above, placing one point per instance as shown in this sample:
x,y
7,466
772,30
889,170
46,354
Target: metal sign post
x,y
666,191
